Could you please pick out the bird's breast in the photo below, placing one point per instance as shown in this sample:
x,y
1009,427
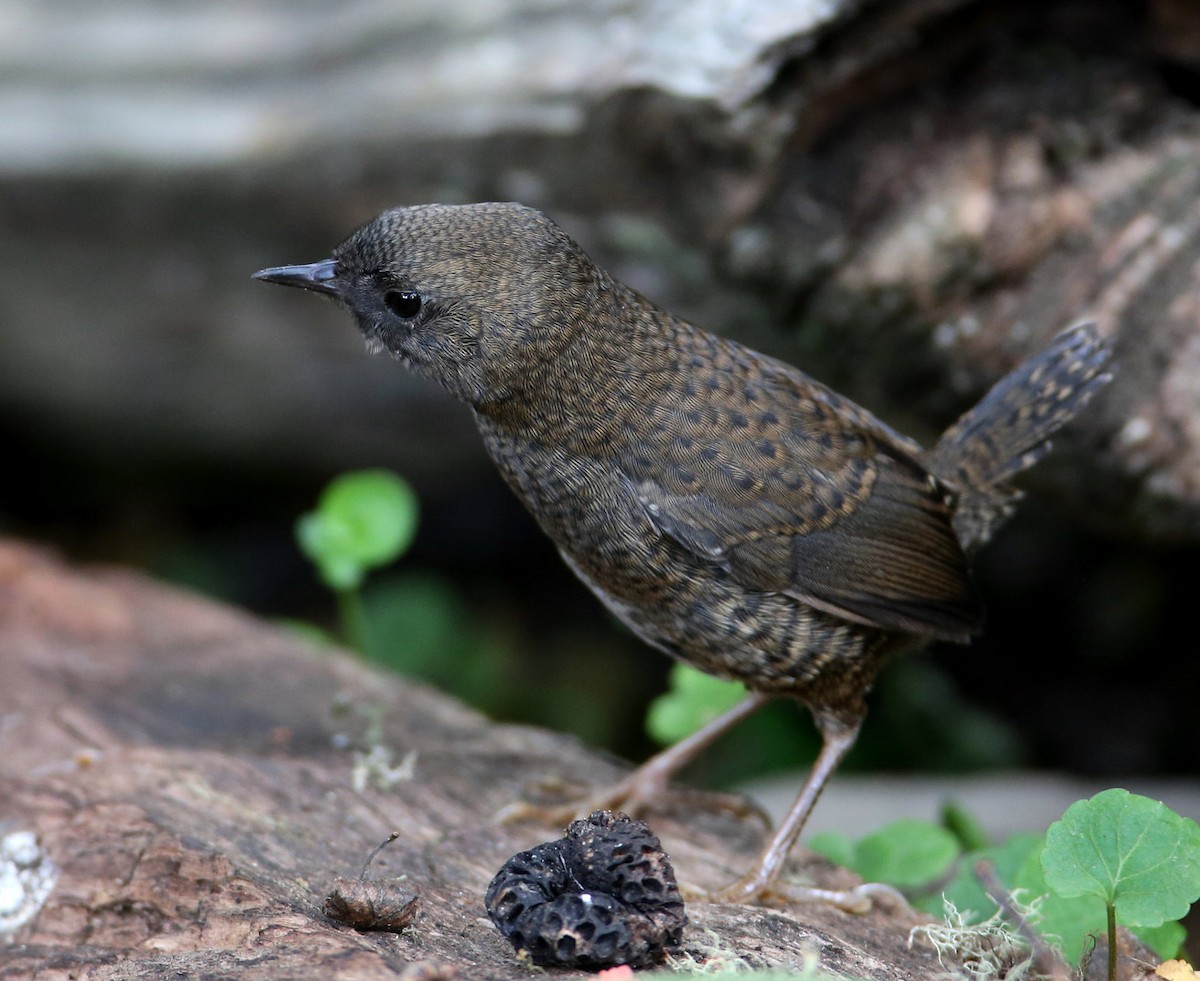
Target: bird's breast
x,y
587,506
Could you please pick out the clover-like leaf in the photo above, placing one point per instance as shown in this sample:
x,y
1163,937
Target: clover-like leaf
x,y
363,520
693,699
1131,852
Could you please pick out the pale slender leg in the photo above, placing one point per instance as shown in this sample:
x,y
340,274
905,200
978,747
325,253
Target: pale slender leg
x,y
649,781
761,881
651,778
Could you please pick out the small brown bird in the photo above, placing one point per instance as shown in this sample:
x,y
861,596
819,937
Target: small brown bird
x,y
734,512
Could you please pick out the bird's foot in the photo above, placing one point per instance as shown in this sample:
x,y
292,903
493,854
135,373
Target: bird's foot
x,y
642,789
637,794
749,890
618,797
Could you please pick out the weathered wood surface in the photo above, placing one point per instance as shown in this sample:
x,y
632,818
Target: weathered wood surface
x,y
190,771
902,197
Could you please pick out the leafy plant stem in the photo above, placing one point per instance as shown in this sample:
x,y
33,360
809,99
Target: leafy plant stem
x,y
354,619
1112,941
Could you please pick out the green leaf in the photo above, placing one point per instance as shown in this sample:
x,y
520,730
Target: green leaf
x,y
425,630
363,520
693,699
964,826
965,891
1128,851
835,846
905,853
1166,940
1066,923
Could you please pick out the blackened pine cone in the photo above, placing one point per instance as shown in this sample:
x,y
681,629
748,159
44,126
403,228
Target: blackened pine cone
x,y
603,895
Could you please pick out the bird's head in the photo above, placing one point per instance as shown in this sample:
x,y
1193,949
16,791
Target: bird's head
x,y
475,297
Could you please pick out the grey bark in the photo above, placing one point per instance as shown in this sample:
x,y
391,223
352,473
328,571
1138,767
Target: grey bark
x,y
194,776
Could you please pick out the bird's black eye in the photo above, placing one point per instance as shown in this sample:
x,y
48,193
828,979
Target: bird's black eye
x,y
403,303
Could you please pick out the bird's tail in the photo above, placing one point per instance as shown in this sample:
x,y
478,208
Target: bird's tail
x,y
1009,430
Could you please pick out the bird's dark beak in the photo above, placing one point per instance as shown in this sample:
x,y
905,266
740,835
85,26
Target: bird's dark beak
x,y
318,276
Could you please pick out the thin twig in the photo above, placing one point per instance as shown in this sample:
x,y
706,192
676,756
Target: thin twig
x,y
1046,960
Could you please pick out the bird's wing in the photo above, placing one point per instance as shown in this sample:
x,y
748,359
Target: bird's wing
x,y
793,489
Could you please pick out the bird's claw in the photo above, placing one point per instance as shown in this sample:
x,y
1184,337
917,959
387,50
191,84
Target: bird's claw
x,y
623,796
635,795
746,891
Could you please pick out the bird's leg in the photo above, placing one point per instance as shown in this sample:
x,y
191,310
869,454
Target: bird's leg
x,y
649,781
838,731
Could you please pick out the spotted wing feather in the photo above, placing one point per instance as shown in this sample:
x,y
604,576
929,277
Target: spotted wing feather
x,y
792,489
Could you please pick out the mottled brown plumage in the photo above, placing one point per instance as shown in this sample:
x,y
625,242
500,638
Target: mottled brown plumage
x,y
734,512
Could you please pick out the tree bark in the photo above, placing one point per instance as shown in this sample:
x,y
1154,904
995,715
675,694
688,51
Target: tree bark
x,y
191,773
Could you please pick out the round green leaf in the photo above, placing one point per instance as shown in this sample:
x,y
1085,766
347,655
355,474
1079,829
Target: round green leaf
x,y
363,520
1132,852
336,570
693,699
905,853
374,513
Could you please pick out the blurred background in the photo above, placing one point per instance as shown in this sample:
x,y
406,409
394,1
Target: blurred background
x,y
904,198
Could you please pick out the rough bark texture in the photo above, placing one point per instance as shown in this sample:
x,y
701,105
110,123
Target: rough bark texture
x,y
190,770
918,193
